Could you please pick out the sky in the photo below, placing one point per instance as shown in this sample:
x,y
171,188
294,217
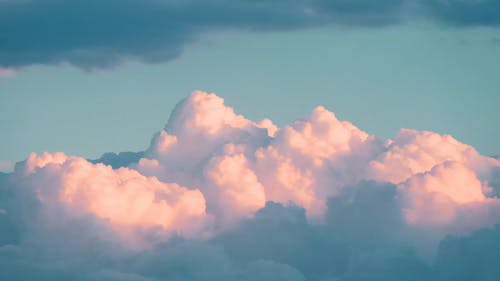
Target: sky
x,y
249,140
419,74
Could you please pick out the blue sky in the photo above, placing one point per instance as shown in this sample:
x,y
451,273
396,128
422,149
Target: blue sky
x,y
417,75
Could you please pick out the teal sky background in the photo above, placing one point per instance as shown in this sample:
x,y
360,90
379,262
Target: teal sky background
x,y
407,76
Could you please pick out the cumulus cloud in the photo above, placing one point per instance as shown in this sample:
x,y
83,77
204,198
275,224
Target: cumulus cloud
x,y
412,152
6,166
464,12
100,34
71,188
476,253
217,196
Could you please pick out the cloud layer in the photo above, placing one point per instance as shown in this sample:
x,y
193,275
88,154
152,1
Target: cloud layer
x,y
219,197
97,34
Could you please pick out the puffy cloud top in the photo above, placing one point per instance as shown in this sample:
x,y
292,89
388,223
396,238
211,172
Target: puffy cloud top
x,y
203,113
413,152
123,197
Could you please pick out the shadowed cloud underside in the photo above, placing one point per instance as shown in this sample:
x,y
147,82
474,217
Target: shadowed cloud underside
x,y
100,34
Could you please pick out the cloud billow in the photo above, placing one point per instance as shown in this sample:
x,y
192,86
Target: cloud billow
x,y
100,34
217,196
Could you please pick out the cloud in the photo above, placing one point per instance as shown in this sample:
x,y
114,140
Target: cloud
x,y
476,254
7,72
362,12
464,12
217,196
412,152
124,201
436,197
122,159
6,166
100,34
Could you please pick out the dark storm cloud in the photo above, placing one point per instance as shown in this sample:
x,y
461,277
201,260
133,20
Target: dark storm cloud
x,y
97,34
464,12
361,12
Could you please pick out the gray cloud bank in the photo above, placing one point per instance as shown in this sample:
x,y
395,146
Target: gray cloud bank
x,y
96,34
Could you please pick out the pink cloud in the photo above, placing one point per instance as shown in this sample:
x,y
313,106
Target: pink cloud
x,y
6,166
124,198
413,152
7,72
211,168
